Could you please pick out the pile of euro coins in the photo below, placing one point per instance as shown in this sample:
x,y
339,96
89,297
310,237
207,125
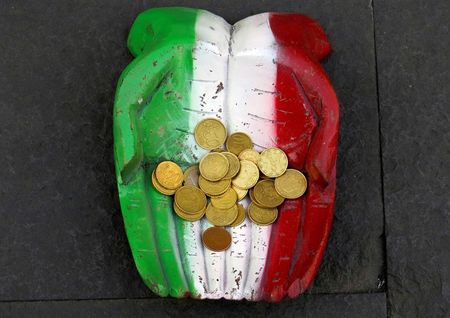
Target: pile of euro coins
x,y
225,176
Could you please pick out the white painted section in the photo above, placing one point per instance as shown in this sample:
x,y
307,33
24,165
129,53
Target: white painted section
x,y
193,259
252,76
250,108
210,59
215,268
209,72
246,103
238,257
260,244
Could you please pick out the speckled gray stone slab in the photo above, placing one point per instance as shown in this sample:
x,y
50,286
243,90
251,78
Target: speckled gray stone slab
x,y
413,50
61,234
311,306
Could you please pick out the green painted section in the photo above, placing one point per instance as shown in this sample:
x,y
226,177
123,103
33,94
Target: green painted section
x,y
150,125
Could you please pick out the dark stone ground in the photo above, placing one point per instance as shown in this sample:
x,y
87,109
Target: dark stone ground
x,y
63,251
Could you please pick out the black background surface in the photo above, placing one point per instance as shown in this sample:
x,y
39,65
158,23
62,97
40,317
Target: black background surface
x,y
63,250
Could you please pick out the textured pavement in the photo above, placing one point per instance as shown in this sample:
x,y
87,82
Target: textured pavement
x,y
63,250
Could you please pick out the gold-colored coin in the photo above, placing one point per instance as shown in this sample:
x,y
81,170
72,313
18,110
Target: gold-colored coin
x,y
238,141
221,217
225,200
191,176
292,184
190,199
248,175
214,166
216,239
159,187
187,216
241,193
250,194
213,188
262,216
210,133
235,165
241,216
273,162
252,198
169,175
249,154
265,194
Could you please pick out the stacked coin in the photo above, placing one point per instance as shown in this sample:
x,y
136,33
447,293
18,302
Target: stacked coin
x,y
226,176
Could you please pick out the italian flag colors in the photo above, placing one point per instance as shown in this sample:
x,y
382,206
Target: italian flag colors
x,y
261,76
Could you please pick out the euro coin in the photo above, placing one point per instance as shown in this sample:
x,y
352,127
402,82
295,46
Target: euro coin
x,y
225,200
221,217
191,176
190,199
292,184
252,198
159,187
248,175
216,239
273,162
250,194
238,141
241,216
214,166
169,175
235,165
241,193
249,154
187,216
262,216
266,195
213,188
210,133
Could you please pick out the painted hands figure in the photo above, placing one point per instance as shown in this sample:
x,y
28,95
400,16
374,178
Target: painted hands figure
x,y
261,76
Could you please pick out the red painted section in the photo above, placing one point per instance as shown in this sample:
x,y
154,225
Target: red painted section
x,y
315,229
307,116
300,31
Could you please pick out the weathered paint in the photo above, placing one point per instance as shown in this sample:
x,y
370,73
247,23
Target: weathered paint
x,y
250,108
260,76
151,93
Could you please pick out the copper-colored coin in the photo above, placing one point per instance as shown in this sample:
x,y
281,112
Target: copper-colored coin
x,y
235,165
191,176
210,133
190,199
187,216
265,194
273,162
221,217
214,188
216,239
292,184
169,175
241,216
226,200
241,193
262,216
159,187
238,141
248,175
249,154
214,166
